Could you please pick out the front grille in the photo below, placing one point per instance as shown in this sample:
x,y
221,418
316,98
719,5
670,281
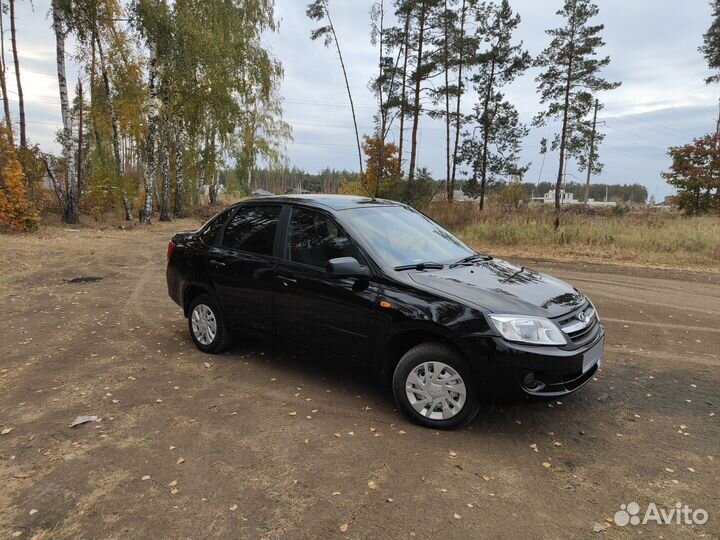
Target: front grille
x,y
580,325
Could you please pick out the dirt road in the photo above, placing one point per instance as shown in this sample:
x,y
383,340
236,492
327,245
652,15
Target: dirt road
x,y
268,442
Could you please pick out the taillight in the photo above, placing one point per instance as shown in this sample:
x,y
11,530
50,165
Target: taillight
x,y
170,250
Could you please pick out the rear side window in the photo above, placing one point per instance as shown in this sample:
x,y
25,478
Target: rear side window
x,y
253,229
314,239
213,228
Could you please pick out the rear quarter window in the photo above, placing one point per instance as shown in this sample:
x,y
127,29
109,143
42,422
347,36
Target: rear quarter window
x,y
211,230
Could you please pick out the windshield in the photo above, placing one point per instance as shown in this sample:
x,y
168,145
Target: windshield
x,y
399,236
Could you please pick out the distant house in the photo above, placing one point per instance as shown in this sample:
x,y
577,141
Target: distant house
x,y
262,193
569,198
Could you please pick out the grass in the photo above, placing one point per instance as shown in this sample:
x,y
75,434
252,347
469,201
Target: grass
x,y
642,237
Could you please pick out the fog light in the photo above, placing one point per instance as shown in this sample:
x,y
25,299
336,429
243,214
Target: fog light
x,y
529,380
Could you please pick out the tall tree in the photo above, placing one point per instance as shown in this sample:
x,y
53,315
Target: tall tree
x,y
423,69
711,44
500,62
317,10
70,211
571,78
3,72
16,60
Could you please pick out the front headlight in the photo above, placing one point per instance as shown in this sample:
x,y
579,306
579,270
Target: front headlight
x,y
535,330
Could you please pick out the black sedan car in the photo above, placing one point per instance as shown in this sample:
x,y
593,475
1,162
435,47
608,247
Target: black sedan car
x,y
379,283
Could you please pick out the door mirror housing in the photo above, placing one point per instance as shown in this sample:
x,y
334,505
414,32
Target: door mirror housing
x,y
346,267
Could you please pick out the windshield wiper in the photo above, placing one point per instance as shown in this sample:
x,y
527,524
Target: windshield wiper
x,y
421,266
471,259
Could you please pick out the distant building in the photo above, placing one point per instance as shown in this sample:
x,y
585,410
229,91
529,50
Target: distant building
x,y
569,198
262,193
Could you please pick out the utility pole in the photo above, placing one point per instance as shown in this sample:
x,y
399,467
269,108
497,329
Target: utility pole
x,y
592,152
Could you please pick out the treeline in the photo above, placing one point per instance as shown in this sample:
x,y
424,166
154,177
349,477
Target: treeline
x,y
283,179
169,94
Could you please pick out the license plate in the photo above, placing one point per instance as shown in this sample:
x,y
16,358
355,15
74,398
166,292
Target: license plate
x,y
592,356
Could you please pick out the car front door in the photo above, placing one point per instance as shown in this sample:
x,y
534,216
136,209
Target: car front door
x,y
312,307
241,266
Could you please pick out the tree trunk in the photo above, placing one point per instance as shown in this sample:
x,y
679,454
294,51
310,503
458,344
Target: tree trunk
x,y
563,136
70,213
416,105
164,155
461,59
591,156
149,168
111,104
487,121
21,99
446,62
80,136
347,85
3,82
403,97
179,170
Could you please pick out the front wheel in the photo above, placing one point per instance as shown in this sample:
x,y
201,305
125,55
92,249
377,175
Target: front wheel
x,y
207,325
434,387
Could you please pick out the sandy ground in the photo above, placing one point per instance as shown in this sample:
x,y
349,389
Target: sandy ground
x,y
270,442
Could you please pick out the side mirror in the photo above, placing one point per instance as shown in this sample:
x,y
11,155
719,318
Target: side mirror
x,y
346,267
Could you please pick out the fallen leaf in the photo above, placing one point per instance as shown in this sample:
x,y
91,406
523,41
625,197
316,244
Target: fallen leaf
x,y
546,465
337,435
457,516
33,511
372,485
389,499
233,507
207,364
453,455
293,413
344,527
174,491
173,483
600,527
180,460
6,431
373,430
146,477
443,490
534,447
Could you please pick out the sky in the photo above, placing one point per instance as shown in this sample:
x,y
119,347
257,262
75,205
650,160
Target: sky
x,y
653,44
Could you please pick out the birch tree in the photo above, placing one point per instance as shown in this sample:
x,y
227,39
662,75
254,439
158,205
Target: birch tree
x,y
70,210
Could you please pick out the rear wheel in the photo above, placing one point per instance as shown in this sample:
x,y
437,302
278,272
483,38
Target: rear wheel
x,y
207,325
434,387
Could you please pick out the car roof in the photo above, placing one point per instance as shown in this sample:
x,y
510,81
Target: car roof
x,y
331,202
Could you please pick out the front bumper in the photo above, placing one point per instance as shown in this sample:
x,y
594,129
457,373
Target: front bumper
x,y
550,371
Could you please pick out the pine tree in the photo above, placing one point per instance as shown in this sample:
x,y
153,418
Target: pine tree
x,y
499,63
711,44
570,80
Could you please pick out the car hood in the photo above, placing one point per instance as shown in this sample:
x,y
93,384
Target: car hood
x,y
502,287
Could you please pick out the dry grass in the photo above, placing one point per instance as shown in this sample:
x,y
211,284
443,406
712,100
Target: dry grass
x,y
639,237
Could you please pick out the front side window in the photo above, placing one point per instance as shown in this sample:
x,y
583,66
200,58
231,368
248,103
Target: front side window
x,y
314,239
253,229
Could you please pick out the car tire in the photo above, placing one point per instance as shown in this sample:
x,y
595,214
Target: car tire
x,y
434,386
207,325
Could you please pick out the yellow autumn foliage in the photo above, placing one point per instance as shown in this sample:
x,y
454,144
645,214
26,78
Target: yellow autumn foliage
x,y
17,211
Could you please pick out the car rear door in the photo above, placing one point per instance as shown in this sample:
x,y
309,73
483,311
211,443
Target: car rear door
x,y
241,266
333,314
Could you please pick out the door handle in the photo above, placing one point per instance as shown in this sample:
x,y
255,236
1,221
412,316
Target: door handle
x,y
213,262
286,279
